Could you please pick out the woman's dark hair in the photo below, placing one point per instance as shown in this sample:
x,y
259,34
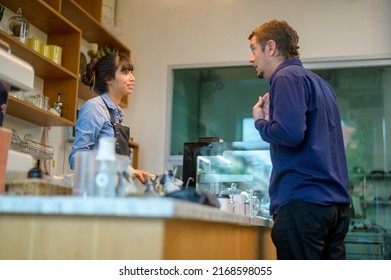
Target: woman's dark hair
x,y
99,73
280,32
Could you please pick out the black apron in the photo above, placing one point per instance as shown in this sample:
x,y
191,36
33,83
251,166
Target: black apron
x,y
121,133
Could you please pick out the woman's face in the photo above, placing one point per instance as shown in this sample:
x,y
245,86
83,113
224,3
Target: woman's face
x,y
123,83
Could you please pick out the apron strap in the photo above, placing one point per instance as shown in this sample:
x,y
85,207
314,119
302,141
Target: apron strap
x,y
121,133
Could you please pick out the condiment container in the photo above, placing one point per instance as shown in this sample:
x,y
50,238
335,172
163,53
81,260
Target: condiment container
x,y
224,201
18,26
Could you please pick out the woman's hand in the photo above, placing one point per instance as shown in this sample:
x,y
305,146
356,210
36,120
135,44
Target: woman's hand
x,y
141,175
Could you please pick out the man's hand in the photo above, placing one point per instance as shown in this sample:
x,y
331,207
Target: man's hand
x,y
265,107
261,108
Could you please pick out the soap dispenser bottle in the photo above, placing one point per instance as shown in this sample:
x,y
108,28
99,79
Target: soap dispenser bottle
x,y
35,172
106,166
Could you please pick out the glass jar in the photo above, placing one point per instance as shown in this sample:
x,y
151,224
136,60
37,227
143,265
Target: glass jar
x,y
18,26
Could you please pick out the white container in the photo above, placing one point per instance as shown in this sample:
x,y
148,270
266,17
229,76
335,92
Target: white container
x,y
224,201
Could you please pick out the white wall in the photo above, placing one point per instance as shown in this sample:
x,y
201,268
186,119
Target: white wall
x,y
162,33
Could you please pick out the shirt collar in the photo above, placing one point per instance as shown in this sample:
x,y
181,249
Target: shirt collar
x,y
288,62
111,104
108,101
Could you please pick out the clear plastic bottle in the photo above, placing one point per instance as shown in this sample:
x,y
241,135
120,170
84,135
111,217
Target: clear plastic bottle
x,y
106,168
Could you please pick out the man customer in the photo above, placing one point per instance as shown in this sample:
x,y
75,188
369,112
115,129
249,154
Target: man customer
x,y
299,117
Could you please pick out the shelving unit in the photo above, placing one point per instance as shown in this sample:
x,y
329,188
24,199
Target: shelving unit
x,y
371,227
65,22
46,16
86,14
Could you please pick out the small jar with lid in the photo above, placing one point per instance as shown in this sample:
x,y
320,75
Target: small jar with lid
x,y
18,26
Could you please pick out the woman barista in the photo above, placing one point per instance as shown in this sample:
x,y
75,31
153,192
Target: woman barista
x,y
112,78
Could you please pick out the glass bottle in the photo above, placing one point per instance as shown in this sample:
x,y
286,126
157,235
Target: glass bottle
x,y
58,104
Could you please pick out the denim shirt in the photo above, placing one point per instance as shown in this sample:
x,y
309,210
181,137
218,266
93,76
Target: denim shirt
x,y
92,123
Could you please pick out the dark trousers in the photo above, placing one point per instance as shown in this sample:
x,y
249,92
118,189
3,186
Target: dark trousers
x,y
307,231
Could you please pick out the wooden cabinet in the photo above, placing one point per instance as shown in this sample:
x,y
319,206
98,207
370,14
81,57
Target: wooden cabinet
x,y
45,15
134,146
86,14
65,22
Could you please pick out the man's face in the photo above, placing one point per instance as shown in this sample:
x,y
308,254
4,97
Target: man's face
x,y
258,58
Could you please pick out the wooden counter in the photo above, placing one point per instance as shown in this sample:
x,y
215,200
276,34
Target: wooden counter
x,y
78,228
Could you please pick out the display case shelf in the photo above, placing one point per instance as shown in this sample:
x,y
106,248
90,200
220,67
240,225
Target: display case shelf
x,y
224,178
385,203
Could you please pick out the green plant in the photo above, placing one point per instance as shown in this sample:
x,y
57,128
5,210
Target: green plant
x,y
103,50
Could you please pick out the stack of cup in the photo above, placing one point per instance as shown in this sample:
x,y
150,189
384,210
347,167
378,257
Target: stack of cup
x,y
34,44
52,52
55,53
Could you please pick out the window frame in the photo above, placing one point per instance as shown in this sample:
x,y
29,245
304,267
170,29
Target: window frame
x,y
310,63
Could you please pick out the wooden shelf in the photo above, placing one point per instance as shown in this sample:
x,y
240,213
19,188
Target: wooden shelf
x,y
86,14
42,15
43,67
63,22
63,79
28,112
92,30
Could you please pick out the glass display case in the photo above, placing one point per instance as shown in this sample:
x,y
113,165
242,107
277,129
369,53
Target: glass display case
x,y
240,170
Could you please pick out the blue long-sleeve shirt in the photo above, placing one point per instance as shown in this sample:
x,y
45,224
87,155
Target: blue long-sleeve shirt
x,y
305,136
92,123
